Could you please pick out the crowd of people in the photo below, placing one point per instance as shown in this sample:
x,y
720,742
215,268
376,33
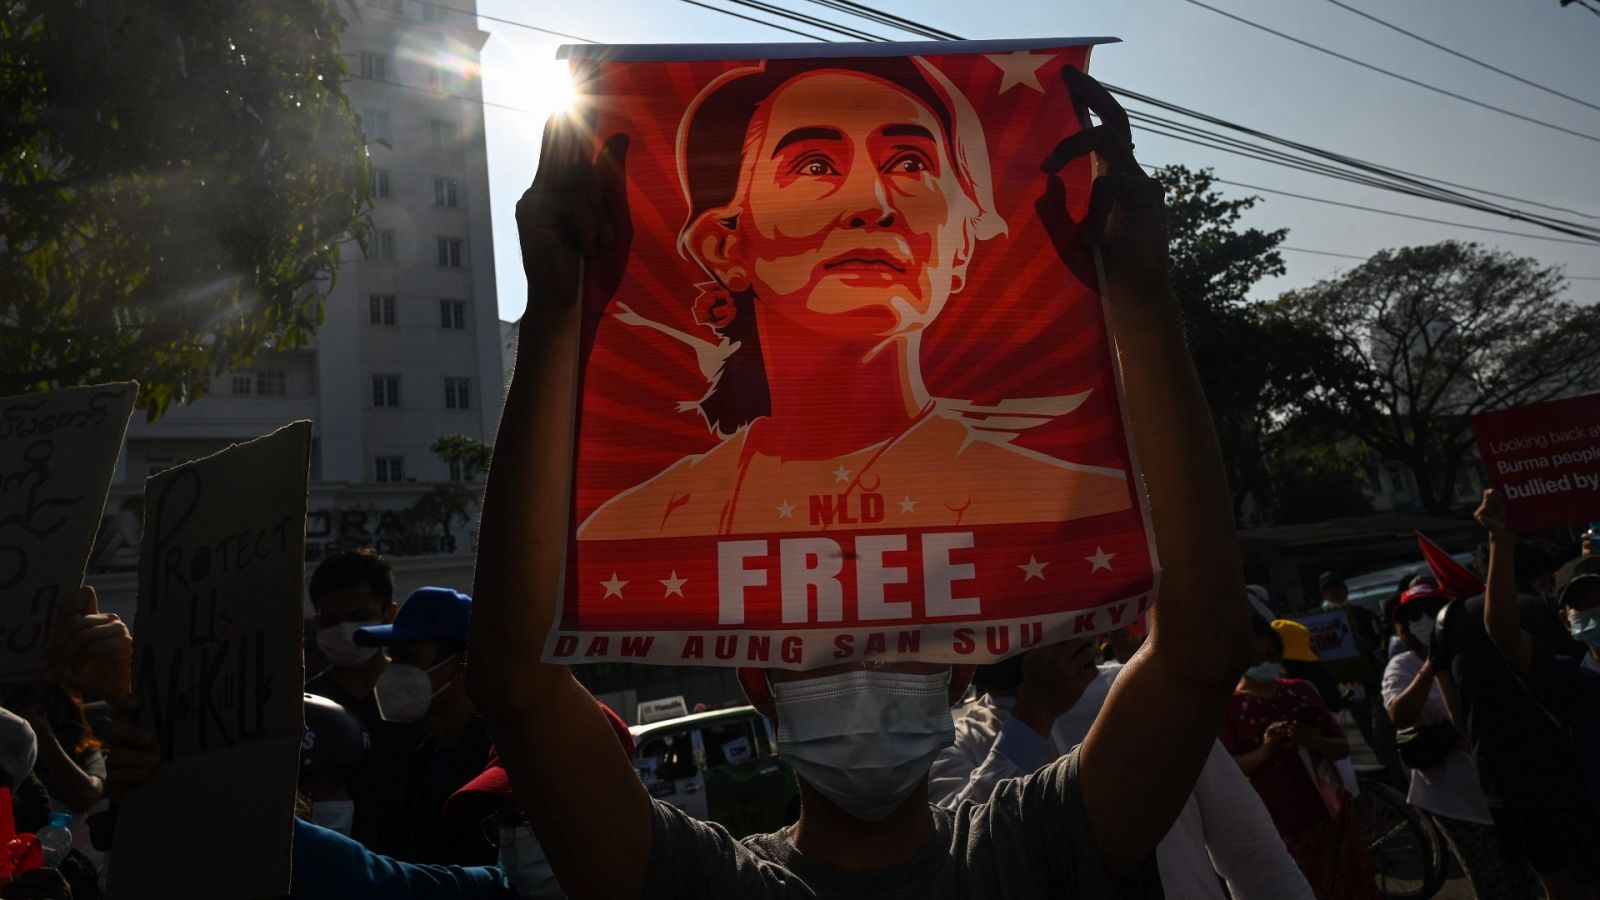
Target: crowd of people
x,y
1197,755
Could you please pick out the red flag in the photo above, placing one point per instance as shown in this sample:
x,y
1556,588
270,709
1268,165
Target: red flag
x,y
1454,578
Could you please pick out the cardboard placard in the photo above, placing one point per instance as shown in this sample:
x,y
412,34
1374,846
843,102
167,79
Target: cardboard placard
x,y
1544,459
58,451
218,669
846,388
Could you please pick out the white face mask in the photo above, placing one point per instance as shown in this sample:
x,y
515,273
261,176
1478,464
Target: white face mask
x,y
404,692
1421,629
337,643
525,865
866,738
335,815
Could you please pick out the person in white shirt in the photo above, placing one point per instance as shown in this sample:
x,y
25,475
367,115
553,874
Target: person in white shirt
x,y
1448,788
1223,833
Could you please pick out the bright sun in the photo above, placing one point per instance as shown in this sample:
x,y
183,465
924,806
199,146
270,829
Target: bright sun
x,y
548,86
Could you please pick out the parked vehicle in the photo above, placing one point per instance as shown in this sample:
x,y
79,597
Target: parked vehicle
x,y
720,766
1370,589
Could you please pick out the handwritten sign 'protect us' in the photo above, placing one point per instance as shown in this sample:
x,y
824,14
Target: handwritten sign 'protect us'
x,y
218,671
57,454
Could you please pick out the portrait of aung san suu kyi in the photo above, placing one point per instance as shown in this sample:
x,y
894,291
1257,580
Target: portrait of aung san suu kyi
x,y
834,208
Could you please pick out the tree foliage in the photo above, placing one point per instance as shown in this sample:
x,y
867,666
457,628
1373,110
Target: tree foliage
x,y
176,177
470,454
1266,375
442,505
1440,333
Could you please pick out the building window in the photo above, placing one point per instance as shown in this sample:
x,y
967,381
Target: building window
x,y
458,393
380,184
380,309
390,469
433,12
394,6
272,382
241,384
383,246
386,391
444,133
374,66
453,314
446,192
376,123
450,253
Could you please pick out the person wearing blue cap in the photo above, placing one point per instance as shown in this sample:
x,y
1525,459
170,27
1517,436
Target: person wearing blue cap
x,y
424,682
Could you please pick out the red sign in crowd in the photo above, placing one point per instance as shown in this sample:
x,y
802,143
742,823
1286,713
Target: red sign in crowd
x,y
1545,459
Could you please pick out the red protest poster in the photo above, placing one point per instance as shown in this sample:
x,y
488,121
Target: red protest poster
x,y
1545,459
849,396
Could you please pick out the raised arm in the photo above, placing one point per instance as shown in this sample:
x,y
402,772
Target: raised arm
x,y
1147,748
1405,705
1500,617
577,788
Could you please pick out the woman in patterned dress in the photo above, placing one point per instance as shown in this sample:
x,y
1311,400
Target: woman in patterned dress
x,y
1286,741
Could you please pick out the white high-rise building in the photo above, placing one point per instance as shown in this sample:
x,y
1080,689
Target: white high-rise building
x,y
411,346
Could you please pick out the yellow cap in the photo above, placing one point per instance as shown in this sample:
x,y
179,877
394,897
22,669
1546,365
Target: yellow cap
x,y
1296,640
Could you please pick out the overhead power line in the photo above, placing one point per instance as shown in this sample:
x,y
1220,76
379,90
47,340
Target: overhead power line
x,y
729,12
1466,56
512,108
1367,174
1392,74
468,12
1380,176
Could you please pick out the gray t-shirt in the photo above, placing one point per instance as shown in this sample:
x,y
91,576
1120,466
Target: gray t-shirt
x,y
1031,839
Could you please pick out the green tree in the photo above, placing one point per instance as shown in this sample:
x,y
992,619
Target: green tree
x,y
469,456
1265,374
176,177
447,502
1441,333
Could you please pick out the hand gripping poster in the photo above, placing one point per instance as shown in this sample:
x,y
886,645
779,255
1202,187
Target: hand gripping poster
x,y
846,391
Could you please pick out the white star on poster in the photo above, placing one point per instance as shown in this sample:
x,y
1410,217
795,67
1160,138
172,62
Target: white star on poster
x,y
841,473
1033,568
1100,560
908,505
674,584
614,586
786,510
1020,67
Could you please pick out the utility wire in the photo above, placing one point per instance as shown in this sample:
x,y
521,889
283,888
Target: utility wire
x,y
509,107
1342,159
1459,55
812,21
1182,132
1390,212
468,12
1186,132
729,12
1392,74
1415,185
883,18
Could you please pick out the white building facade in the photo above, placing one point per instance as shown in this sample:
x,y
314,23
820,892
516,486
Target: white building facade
x,y
410,348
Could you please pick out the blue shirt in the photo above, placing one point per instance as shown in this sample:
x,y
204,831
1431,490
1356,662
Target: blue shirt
x,y
330,866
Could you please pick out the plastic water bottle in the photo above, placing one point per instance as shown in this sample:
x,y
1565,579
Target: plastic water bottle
x,y
56,839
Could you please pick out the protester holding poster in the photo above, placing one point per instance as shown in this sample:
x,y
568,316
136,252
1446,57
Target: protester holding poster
x,y
865,824
1561,841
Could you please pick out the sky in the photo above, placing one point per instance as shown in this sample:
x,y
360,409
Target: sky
x,y
1181,53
